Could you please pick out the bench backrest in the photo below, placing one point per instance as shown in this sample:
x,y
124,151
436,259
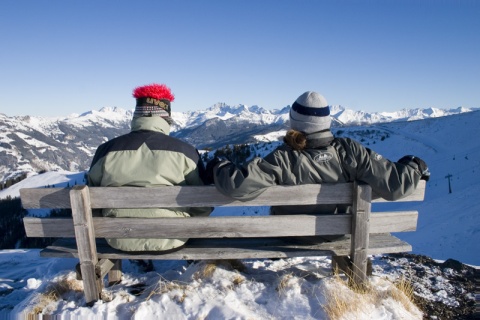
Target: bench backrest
x,y
82,198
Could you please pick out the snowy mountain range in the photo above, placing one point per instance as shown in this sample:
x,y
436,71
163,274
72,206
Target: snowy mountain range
x,y
37,144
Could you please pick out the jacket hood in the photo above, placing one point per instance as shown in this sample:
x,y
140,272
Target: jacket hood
x,y
150,123
319,139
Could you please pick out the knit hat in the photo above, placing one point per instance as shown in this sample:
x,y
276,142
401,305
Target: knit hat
x,y
310,113
153,100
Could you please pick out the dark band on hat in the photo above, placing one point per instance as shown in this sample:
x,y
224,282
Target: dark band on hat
x,y
308,111
163,103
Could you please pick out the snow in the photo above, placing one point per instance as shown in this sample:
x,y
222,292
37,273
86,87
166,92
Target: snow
x,y
33,142
57,179
106,117
299,288
272,136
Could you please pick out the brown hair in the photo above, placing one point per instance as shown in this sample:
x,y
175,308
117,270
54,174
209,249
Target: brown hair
x,y
295,139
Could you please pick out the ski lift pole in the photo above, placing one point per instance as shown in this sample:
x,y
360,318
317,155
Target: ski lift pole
x,y
448,176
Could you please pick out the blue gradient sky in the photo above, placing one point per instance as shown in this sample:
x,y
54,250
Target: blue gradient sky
x,y
63,57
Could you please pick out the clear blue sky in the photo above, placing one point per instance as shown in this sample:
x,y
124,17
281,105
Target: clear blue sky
x,y
63,57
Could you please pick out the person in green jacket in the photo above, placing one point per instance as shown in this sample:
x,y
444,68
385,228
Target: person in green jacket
x,y
148,157
311,155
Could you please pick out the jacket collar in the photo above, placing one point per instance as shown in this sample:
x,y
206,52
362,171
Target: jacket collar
x,y
319,139
150,123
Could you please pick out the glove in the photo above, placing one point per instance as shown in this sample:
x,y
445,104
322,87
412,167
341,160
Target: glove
x,y
421,165
208,179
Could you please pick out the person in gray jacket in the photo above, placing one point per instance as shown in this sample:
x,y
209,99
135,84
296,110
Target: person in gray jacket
x,y
312,155
148,157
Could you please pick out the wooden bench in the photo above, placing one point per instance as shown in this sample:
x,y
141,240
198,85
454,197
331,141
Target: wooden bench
x,y
226,237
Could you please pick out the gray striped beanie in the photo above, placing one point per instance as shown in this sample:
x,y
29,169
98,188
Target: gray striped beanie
x,y
310,113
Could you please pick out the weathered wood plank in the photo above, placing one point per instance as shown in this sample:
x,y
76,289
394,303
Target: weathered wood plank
x,y
360,233
386,243
131,197
341,264
229,227
53,198
103,267
394,221
202,249
259,226
115,274
85,236
193,196
208,196
48,227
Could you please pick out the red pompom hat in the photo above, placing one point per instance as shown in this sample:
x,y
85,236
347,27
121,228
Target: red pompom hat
x,y
153,100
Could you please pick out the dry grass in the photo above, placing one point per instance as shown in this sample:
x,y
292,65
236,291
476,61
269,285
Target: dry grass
x,y
44,300
403,292
342,299
283,283
165,286
207,271
238,280
210,266
54,292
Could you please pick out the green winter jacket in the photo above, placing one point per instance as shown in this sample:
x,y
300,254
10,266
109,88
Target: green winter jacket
x,y
147,157
342,160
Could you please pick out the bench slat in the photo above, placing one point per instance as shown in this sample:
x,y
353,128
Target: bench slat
x,y
187,196
193,196
201,249
258,226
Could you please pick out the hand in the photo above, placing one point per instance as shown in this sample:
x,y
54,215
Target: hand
x,y
208,179
421,166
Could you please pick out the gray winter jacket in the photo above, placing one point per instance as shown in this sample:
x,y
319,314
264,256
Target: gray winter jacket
x,y
342,160
147,157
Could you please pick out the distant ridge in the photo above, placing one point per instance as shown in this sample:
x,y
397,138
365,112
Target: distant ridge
x,y
35,144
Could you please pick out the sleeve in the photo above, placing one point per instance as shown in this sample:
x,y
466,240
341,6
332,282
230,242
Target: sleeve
x,y
249,181
195,178
196,171
390,180
95,174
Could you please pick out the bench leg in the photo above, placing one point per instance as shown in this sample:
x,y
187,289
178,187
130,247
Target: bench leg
x,y
115,274
112,268
344,264
78,272
85,238
359,272
92,285
341,264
